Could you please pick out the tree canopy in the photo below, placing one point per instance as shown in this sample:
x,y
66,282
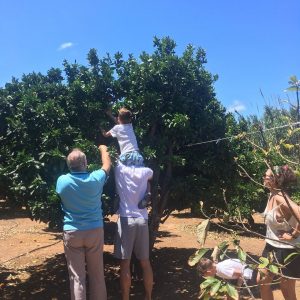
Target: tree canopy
x,y
174,105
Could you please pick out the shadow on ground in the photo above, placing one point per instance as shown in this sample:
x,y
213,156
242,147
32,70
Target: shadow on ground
x,y
255,227
174,279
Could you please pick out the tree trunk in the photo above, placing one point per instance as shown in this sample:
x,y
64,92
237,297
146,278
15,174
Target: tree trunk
x,y
160,199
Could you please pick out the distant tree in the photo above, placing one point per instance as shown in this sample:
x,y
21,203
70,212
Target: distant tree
x,y
43,119
294,85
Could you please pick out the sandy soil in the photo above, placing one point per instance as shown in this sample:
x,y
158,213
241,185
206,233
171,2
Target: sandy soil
x,y
33,266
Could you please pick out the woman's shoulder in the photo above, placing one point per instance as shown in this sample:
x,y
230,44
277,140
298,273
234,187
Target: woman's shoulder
x,y
282,200
279,199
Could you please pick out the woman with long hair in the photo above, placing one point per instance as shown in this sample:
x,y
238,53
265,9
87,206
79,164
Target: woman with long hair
x,y
282,217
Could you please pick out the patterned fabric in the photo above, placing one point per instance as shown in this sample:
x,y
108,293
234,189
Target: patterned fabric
x,y
133,158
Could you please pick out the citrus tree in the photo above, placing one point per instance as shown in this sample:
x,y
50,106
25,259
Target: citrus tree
x,y
175,105
172,97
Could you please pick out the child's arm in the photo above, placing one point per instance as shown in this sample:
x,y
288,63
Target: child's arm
x,y
105,133
109,113
237,273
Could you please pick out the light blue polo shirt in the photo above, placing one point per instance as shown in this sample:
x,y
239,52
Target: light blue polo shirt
x,y
80,193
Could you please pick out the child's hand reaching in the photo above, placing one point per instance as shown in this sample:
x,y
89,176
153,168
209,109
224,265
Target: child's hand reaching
x,y
105,133
108,111
240,281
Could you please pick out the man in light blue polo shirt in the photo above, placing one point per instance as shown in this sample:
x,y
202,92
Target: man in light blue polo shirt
x,y
83,236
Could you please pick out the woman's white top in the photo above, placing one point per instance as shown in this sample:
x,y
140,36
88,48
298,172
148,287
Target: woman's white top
x,y
274,227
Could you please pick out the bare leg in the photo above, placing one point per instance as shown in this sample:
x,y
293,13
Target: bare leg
x,y
147,277
263,282
125,278
288,289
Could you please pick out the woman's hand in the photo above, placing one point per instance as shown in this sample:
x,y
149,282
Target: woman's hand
x,y
284,235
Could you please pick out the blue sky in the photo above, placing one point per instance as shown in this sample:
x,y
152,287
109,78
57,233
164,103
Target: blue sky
x,y
251,44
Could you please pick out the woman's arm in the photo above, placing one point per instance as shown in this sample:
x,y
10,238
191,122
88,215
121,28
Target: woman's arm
x,y
288,210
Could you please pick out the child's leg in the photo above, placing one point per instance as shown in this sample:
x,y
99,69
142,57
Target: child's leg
x,y
116,203
123,158
147,198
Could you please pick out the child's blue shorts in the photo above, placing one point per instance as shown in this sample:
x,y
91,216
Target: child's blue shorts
x,y
133,158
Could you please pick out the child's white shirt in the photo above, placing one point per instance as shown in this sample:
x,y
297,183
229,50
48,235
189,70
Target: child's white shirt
x,y
227,267
125,136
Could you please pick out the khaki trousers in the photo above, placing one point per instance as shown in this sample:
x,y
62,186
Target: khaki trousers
x,y
85,248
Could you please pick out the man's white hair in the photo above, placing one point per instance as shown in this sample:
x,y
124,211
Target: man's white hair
x,y
76,160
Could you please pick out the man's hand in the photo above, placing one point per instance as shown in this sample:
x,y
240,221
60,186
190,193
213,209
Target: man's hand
x,y
102,148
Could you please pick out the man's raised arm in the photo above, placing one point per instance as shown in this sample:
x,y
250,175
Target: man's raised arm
x,y
106,162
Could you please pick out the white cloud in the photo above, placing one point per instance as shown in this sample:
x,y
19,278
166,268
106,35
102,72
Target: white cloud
x,y
64,46
236,106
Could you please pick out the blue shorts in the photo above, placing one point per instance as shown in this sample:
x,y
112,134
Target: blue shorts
x,y
133,158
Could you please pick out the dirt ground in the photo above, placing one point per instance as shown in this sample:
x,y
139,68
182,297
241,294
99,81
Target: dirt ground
x,y
32,264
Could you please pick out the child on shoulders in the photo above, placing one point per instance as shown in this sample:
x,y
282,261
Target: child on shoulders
x,y
130,154
123,131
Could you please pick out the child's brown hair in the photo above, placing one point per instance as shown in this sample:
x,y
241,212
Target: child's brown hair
x,y
125,115
203,265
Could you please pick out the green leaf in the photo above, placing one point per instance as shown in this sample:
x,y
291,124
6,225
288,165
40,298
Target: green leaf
x,y
223,288
288,146
224,245
273,269
226,218
208,281
290,256
232,292
201,231
217,249
206,297
242,255
215,288
264,262
215,253
194,259
223,255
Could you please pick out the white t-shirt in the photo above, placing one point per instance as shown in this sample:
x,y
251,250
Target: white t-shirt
x,y
227,267
131,184
125,136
